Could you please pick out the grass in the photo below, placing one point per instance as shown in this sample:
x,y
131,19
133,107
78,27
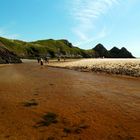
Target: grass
x,y
41,48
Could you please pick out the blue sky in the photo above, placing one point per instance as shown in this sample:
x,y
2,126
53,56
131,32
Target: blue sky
x,y
83,22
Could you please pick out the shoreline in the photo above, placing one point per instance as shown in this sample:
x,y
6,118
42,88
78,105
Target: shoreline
x,y
128,67
98,72
101,70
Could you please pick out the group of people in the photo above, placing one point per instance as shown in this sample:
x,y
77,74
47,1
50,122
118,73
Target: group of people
x,y
46,60
41,60
59,58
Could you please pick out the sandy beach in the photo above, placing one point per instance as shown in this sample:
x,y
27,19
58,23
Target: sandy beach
x,y
88,106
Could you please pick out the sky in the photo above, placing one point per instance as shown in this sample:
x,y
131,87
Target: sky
x,y
85,23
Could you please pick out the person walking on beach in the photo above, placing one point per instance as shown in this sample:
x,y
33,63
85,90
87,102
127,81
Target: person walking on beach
x,y
64,58
58,58
46,60
41,62
38,59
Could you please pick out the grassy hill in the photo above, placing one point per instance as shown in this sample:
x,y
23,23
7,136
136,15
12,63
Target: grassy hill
x,y
54,48
7,56
43,48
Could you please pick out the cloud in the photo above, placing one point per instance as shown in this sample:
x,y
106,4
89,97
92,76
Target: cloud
x,y
86,12
101,34
6,34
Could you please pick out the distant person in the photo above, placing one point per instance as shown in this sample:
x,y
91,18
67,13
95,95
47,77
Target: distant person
x,y
41,62
38,59
46,60
7,61
58,59
64,58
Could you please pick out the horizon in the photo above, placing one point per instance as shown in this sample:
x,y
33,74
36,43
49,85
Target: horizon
x,y
84,23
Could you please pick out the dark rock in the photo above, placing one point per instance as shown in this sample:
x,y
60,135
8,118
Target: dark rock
x,y
120,53
101,51
7,56
124,53
114,52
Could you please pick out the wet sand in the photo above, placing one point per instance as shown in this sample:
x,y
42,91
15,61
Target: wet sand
x,y
88,106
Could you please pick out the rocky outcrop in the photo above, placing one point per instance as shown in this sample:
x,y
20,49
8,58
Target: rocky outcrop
x,y
120,53
114,52
101,51
62,47
7,56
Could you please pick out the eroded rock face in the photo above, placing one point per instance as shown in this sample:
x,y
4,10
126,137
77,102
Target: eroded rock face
x,y
101,51
7,56
124,53
120,53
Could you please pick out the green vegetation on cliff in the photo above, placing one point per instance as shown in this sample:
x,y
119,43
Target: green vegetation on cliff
x,y
42,48
7,56
54,48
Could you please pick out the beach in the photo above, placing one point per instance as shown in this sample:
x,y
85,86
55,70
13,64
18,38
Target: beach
x,y
88,106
